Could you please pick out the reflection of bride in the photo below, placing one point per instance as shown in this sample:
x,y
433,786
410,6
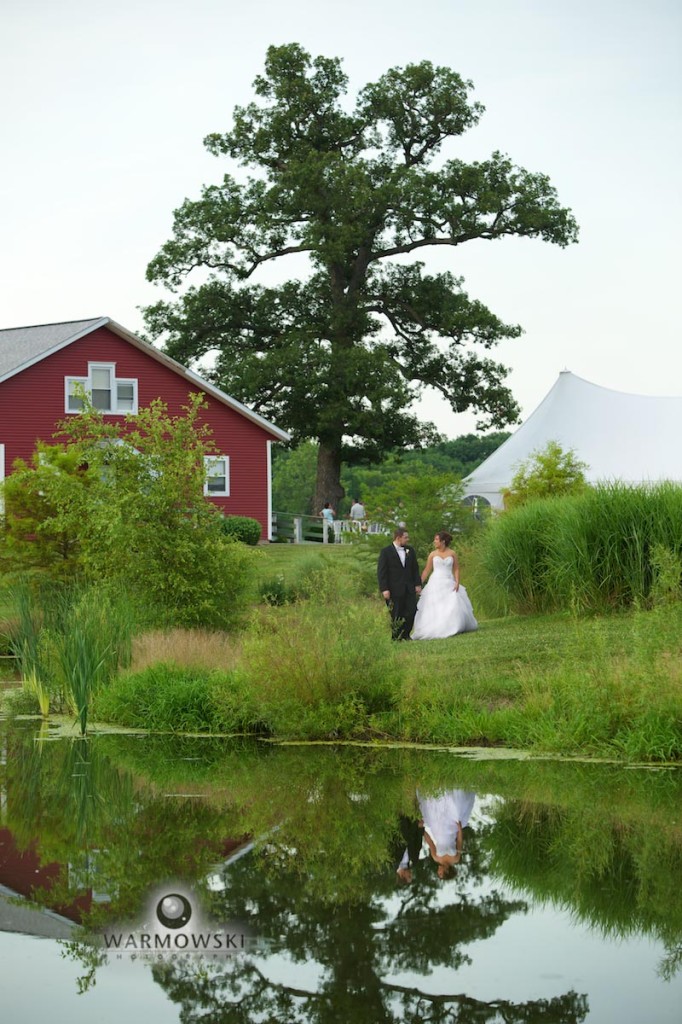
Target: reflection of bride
x,y
444,818
444,607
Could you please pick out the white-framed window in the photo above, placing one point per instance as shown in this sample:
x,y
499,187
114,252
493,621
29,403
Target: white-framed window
x,y
108,393
217,476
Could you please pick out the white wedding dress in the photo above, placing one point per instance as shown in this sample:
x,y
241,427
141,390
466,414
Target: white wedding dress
x,y
441,816
443,611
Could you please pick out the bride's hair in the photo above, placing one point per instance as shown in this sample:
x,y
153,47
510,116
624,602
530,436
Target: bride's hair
x,y
444,537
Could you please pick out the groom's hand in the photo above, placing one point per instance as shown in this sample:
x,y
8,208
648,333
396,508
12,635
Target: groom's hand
x,y
386,594
417,590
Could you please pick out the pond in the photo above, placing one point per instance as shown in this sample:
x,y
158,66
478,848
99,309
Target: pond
x,y
167,878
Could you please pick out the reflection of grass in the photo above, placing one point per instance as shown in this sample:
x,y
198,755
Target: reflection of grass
x,y
614,872
604,842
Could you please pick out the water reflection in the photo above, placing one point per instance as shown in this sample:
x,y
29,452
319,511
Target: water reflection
x,y
364,874
444,816
407,848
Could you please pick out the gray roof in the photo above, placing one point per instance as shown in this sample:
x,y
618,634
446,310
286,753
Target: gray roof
x,y
20,347
29,919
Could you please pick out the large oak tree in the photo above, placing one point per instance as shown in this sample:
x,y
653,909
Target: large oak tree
x,y
339,351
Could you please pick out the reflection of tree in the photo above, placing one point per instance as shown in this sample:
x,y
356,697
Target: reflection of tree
x,y
243,994
356,946
622,878
671,962
321,887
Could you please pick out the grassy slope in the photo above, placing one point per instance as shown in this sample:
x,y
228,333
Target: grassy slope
x,y
503,647
609,685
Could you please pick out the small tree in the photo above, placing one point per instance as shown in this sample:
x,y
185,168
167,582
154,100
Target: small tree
x,y
548,471
293,480
124,503
424,504
36,537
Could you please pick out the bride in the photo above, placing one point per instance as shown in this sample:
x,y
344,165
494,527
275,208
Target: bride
x,y
444,607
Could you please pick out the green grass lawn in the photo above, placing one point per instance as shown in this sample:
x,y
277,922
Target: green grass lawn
x,y
289,558
608,686
503,647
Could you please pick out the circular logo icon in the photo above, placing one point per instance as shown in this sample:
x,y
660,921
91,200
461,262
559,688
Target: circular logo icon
x,y
173,910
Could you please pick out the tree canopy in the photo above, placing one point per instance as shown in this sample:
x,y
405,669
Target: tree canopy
x,y
339,353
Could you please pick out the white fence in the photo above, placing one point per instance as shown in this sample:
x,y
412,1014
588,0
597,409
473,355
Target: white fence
x,y
315,530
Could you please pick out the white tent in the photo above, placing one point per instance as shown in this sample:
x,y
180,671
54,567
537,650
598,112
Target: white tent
x,y
631,438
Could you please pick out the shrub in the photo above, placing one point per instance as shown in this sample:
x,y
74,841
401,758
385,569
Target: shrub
x,y
173,698
275,591
21,701
136,518
242,528
201,580
330,578
322,670
323,577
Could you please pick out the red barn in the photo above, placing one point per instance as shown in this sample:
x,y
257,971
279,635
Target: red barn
x,y
40,366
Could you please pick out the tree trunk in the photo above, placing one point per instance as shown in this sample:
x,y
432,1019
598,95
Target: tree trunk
x,y
328,486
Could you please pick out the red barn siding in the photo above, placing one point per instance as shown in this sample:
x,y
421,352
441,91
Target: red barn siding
x,y
32,402
23,872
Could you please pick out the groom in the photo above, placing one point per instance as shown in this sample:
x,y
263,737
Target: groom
x,y
400,583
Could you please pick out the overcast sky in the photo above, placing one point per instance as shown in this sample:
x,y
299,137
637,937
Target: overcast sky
x,y
105,108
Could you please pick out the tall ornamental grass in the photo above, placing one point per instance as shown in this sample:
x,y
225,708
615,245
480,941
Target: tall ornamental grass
x,y
610,547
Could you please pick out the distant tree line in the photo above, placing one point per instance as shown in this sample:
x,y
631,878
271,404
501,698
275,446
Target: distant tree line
x,y
295,470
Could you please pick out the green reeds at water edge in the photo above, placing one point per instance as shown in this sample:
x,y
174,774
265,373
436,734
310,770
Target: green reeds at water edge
x,y
69,642
609,547
27,641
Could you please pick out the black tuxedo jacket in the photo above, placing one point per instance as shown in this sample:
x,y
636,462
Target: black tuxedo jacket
x,y
410,839
391,574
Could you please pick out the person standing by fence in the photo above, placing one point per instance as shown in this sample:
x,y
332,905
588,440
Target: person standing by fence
x,y
328,515
357,513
